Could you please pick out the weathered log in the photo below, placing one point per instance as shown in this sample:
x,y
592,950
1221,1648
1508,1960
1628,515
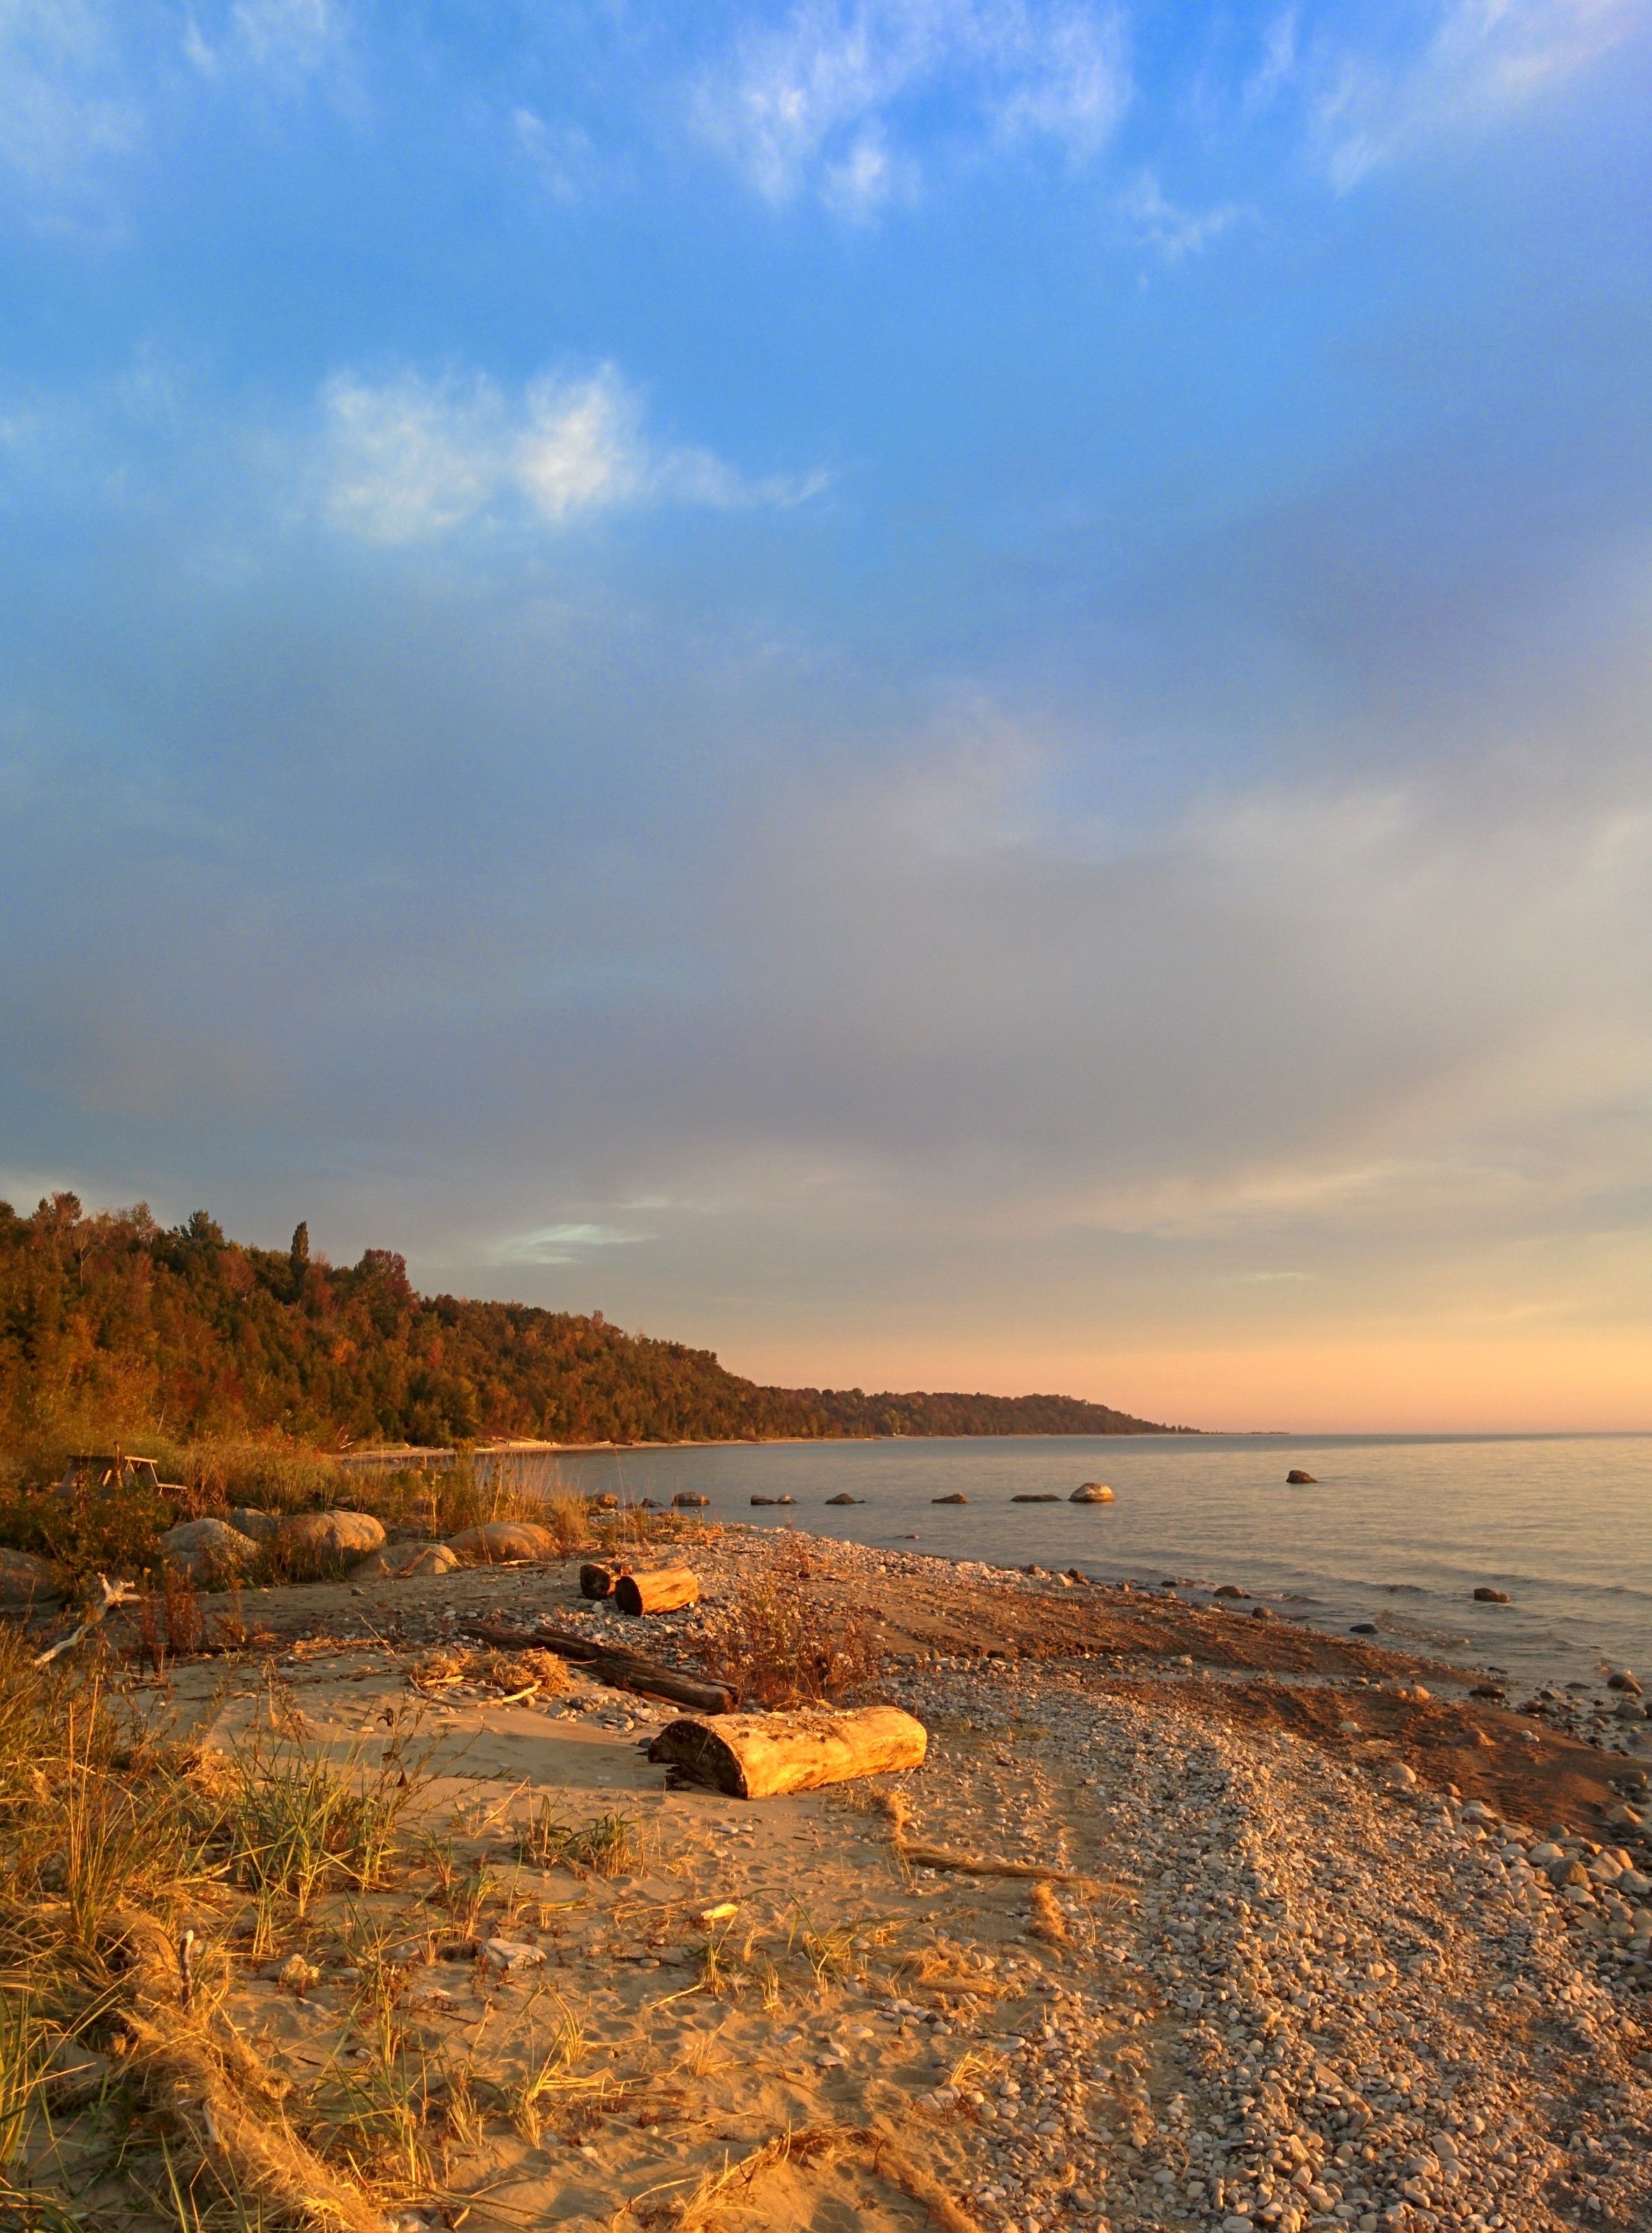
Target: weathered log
x,y
760,1757
663,1591
620,1670
597,1581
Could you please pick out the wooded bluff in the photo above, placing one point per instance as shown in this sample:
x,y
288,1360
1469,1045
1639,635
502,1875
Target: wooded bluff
x,y
112,1324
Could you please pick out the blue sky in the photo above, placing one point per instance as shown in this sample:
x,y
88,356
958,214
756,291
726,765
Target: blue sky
x,y
951,693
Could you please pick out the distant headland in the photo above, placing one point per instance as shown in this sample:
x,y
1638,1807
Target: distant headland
x,y
110,1320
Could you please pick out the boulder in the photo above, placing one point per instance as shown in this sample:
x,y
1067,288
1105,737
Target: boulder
x,y
763,1500
24,1581
689,1499
1623,1679
1045,1497
845,1498
332,1534
402,1562
497,1541
1300,1479
1363,1628
1261,1612
1228,1590
208,1547
1491,1596
260,1526
1093,1492
957,1497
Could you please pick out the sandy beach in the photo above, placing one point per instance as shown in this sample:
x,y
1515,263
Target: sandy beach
x,y
1187,1919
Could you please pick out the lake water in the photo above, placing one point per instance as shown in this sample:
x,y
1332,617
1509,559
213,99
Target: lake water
x,y
1398,1530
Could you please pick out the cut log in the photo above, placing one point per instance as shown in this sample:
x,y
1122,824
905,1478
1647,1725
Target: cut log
x,y
661,1591
596,1581
760,1757
620,1670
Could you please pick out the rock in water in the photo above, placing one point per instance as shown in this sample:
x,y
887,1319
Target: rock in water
x,y
497,1541
957,1497
1491,1596
1027,1499
1301,1480
1229,1590
845,1498
689,1499
1093,1492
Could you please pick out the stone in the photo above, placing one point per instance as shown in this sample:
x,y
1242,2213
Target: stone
x,y
512,1954
333,1534
496,1542
208,1548
1363,1628
957,1497
1228,1590
764,1500
689,1500
26,1580
1297,1479
404,1562
1261,1612
1093,1492
1483,1596
1026,1497
1623,1679
247,1519
845,1498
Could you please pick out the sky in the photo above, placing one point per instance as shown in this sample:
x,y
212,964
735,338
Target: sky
x,y
939,692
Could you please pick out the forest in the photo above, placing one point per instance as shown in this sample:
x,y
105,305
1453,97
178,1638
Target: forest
x,y
112,1326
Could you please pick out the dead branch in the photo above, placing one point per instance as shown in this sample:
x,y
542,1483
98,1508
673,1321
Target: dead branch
x,y
114,1593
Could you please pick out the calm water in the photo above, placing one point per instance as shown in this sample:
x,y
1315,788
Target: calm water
x,y
1398,1530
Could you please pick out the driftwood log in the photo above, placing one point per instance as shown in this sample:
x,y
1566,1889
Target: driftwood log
x,y
662,1591
760,1757
597,1581
620,1670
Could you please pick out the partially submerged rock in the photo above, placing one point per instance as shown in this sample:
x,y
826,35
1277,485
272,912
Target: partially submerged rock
x,y
1483,1596
1046,1496
1300,1479
843,1497
1093,1492
957,1497
687,1500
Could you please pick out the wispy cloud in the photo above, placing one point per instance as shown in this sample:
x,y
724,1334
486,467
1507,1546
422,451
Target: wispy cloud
x,y
283,38
64,98
1487,60
1175,233
563,1244
813,104
409,459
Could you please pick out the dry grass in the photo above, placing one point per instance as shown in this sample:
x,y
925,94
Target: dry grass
x,y
778,1643
502,1674
607,1846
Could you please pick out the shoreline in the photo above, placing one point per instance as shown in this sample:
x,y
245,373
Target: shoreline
x,y
1216,1926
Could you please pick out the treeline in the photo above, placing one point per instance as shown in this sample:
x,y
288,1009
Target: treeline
x,y
112,1324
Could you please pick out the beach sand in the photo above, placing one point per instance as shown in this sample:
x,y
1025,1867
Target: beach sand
x,y
1291,1966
